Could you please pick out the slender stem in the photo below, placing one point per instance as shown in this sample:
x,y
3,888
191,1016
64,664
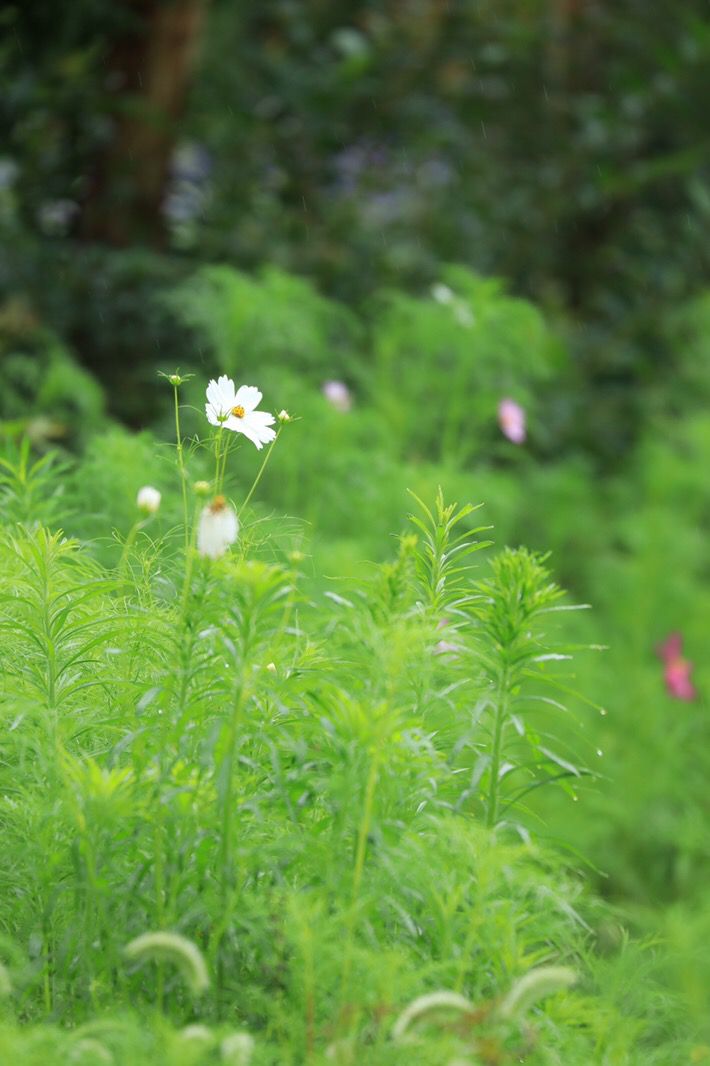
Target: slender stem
x,y
181,467
227,878
221,451
501,714
128,544
262,468
189,563
159,872
360,852
228,770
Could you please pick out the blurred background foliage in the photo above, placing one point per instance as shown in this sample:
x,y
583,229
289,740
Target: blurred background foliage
x,y
560,145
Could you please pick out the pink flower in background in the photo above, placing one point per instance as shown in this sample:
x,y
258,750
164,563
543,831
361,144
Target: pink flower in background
x,y
511,419
676,669
338,395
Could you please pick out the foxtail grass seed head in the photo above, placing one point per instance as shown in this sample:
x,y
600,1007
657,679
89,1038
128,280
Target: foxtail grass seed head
x,y
90,1052
338,395
237,1049
218,528
429,1007
236,409
148,499
175,948
534,986
512,422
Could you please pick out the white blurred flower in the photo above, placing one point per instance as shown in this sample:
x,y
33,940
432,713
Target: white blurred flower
x,y
463,314
148,499
237,1049
442,293
511,419
235,409
218,528
446,296
338,395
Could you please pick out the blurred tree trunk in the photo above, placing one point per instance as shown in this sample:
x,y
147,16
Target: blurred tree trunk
x,y
149,72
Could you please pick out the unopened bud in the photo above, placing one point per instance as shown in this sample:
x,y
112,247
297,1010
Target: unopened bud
x,y
202,488
148,499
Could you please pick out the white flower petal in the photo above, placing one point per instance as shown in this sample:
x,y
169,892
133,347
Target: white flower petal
x,y
220,399
255,427
248,397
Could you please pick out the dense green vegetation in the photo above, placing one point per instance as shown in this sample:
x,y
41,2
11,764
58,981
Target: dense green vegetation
x,y
323,771
305,754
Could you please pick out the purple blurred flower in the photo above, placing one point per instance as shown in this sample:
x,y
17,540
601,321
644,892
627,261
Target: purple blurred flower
x,y
338,395
511,419
676,669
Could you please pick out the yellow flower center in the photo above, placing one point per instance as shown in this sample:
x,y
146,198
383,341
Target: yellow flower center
x,y
218,504
238,411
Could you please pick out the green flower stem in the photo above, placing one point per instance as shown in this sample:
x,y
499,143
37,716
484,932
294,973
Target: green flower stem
x,y
226,872
189,565
128,544
360,853
501,714
217,458
262,468
181,467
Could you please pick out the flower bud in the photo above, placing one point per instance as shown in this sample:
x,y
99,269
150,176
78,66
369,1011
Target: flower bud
x,y
148,499
283,416
202,488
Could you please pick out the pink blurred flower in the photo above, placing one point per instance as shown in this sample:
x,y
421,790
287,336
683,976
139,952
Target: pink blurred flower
x,y
676,669
511,419
338,395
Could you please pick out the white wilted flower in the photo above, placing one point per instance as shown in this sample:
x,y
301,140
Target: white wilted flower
x,y
338,395
148,499
217,529
236,409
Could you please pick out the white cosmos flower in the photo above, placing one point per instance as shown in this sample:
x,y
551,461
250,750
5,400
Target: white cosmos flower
x,y
148,499
235,409
218,528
